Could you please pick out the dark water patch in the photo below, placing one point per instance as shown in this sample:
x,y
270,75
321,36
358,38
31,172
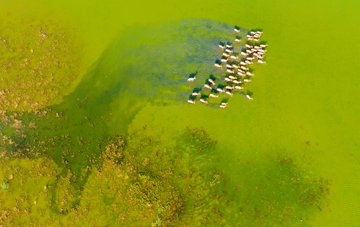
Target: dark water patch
x,y
151,64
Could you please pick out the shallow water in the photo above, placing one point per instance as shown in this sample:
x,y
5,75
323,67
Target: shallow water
x,y
306,98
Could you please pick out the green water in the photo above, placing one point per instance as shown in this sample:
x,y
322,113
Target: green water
x,y
306,97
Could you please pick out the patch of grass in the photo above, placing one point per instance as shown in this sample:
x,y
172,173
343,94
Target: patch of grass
x,y
27,195
145,182
275,191
40,60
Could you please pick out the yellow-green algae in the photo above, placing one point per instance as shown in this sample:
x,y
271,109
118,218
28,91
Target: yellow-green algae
x,y
308,120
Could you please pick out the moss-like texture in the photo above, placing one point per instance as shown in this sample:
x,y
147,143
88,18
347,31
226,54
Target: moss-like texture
x,y
40,60
148,183
97,174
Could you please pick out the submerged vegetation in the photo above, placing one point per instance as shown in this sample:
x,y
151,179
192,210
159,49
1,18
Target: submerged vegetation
x,y
75,163
140,181
39,62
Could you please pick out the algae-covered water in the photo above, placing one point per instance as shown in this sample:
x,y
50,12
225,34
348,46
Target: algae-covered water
x,y
96,129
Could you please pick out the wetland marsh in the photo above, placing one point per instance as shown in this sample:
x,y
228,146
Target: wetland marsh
x,y
96,131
